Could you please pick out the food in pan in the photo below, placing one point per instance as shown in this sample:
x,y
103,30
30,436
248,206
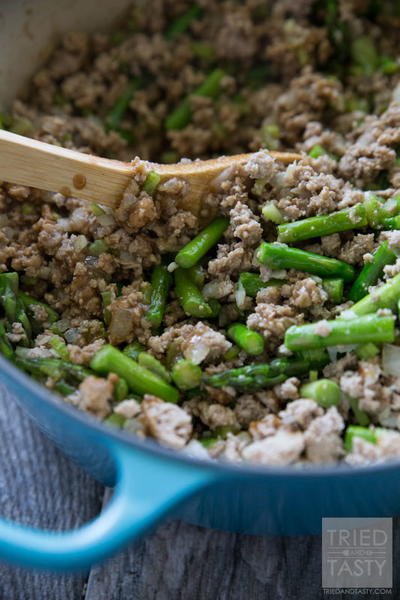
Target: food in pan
x,y
263,329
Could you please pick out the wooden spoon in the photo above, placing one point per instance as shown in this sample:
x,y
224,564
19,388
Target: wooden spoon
x,y
26,161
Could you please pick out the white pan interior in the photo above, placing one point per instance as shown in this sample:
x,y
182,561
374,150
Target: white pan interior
x,y
29,28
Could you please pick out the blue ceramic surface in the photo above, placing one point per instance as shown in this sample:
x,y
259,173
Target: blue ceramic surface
x,y
152,482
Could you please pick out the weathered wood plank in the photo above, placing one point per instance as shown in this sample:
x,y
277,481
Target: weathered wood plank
x,y
40,487
181,561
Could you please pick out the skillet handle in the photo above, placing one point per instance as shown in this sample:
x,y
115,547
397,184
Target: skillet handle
x,y
147,488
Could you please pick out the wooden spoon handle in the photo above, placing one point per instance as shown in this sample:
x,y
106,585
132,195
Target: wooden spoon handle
x,y
29,162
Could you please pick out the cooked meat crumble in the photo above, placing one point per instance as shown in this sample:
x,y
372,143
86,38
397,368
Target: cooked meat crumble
x,y
272,339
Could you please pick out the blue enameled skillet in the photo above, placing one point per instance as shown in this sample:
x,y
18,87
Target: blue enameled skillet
x,y
152,482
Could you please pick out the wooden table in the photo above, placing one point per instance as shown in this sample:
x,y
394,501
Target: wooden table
x,y
40,487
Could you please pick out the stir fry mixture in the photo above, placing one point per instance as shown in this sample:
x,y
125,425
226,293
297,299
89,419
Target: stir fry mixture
x,y
265,328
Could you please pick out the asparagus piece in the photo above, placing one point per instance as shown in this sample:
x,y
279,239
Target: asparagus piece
x,y
116,420
64,388
186,375
280,256
364,55
55,368
106,298
60,347
119,109
190,296
5,346
215,307
161,281
371,272
366,351
97,247
382,214
12,304
182,23
151,363
334,289
28,301
348,218
120,390
252,283
232,353
250,378
298,366
385,296
196,274
139,379
361,416
210,88
133,350
324,391
248,340
369,328
201,244
369,435
151,182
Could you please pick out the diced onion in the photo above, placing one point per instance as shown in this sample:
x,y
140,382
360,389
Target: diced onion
x,y
391,360
240,295
217,289
71,335
106,220
215,183
196,352
80,243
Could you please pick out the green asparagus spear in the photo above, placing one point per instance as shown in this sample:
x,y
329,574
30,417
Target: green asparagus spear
x,y
334,289
248,340
186,375
298,366
161,281
371,272
369,328
151,182
64,388
60,347
12,304
133,350
252,283
182,23
201,244
139,379
120,390
97,247
28,301
324,391
369,435
250,378
366,351
215,307
5,346
349,218
55,368
190,296
182,114
197,275
116,420
280,256
382,214
360,415
385,296
119,109
151,363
